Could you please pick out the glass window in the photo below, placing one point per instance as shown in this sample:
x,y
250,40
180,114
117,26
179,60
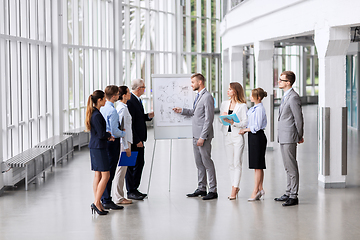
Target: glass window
x,y
354,90
133,27
214,36
81,78
194,34
81,20
312,70
69,22
204,40
25,75
308,71
193,64
193,8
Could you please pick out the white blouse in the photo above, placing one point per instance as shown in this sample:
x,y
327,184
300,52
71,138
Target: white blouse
x,y
124,114
240,110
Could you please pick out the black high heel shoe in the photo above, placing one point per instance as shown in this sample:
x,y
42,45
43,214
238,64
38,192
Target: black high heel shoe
x,y
95,209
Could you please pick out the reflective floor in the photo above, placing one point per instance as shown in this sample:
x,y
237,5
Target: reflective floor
x,y
59,207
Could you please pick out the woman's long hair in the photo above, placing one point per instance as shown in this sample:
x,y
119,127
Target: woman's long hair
x,y
239,92
92,101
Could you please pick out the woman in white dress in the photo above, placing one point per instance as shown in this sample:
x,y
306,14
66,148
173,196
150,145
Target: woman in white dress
x,y
125,121
234,142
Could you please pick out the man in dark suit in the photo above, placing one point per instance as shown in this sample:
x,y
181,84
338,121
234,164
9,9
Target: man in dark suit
x,y
139,118
291,131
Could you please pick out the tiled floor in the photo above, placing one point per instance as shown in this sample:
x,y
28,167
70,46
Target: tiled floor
x,y
59,207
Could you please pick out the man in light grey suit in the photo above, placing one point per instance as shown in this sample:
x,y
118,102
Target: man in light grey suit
x,y
290,133
202,127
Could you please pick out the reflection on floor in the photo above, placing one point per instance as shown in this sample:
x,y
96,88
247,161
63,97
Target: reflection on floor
x,y
59,207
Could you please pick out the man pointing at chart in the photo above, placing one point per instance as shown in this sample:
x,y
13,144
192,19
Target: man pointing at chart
x,y
202,127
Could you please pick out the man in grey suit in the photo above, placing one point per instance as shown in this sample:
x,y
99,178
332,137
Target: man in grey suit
x,y
202,127
290,133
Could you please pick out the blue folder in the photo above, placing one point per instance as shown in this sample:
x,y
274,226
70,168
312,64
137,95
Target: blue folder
x,y
231,116
128,161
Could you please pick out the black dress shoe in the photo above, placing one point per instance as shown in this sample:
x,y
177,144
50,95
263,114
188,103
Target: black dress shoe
x,y
112,206
291,202
197,193
142,194
135,196
283,198
210,195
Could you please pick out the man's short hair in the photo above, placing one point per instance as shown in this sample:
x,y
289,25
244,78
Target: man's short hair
x,y
200,77
290,75
136,83
111,91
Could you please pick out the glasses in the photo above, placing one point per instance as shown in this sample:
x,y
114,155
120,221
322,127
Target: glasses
x,y
284,80
142,87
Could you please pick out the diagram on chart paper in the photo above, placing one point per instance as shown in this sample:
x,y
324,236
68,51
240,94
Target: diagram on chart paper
x,y
170,93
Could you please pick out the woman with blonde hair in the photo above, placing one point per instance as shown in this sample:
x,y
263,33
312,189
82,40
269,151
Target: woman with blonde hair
x,y
95,123
234,142
257,141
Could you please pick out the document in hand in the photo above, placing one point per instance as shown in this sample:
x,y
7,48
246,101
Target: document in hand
x,y
128,161
231,116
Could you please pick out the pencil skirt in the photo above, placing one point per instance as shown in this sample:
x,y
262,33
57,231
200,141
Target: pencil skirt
x,y
257,148
99,160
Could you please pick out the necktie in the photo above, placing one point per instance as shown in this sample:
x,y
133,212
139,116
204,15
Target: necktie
x,y
141,104
196,98
282,102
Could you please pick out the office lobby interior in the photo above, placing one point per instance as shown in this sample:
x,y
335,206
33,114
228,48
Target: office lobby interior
x,y
54,54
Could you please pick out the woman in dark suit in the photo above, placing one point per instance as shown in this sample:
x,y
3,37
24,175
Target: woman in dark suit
x,y
95,123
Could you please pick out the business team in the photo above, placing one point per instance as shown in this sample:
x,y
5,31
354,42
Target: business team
x,y
106,132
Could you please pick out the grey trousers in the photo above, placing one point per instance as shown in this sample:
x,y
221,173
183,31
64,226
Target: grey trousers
x,y
205,165
288,152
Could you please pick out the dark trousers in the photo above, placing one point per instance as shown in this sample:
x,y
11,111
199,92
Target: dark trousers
x,y
133,174
113,150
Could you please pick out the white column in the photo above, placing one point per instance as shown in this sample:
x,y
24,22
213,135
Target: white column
x,y
225,74
332,45
237,69
57,61
2,92
264,52
179,35
118,43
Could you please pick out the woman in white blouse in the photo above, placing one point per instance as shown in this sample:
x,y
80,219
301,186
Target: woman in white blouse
x,y
234,142
125,121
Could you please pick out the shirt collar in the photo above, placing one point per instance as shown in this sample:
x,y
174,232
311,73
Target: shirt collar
x,y
109,103
287,92
256,106
136,96
201,91
122,104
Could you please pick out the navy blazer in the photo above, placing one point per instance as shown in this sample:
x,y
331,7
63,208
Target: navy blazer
x,y
99,135
139,118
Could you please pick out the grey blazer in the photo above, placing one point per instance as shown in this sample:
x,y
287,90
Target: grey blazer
x,y
202,116
290,121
